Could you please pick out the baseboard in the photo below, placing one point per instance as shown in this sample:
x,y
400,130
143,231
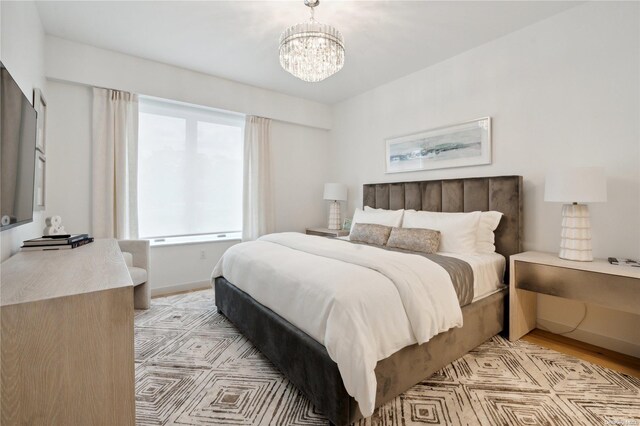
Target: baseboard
x,y
177,288
600,340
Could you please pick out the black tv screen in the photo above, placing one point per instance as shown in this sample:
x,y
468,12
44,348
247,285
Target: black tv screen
x,y
17,153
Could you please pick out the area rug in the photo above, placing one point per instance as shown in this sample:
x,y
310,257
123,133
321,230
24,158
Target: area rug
x,y
194,368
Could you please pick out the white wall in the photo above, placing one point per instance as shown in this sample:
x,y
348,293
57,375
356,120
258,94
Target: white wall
x,y
299,156
80,63
176,268
21,51
69,155
564,91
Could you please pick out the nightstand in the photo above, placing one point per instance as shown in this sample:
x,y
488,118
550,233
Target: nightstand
x,y
325,232
597,282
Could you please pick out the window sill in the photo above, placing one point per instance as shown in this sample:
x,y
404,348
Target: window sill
x,y
200,239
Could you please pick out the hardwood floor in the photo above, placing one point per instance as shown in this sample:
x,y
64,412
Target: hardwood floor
x,y
604,357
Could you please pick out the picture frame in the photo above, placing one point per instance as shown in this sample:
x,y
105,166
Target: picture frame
x,y
346,224
39,193
40,105
457,145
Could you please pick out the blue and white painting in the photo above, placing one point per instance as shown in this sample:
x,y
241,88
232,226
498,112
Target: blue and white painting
x,y
465,144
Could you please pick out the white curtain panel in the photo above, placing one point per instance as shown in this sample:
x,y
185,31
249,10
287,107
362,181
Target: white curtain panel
x,y
257,212
115,164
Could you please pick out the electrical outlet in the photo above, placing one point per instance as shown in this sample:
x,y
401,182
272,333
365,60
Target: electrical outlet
x,y
203,255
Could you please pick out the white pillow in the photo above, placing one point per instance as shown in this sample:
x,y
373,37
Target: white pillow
x,y
458,231
486,238
378,217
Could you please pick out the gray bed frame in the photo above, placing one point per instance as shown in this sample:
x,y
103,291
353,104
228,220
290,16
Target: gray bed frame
x,y
306,363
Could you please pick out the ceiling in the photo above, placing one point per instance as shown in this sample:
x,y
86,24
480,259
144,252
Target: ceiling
x,y
238,40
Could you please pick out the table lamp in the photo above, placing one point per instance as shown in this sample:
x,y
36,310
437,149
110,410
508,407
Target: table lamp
x,y
574,185
335,192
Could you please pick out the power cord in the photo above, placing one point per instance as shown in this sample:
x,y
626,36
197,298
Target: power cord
x,y
584,315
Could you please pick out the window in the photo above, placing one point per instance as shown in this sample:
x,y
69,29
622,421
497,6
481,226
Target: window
x,y
189,172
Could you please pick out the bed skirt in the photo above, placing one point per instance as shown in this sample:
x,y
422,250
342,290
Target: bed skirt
x,y
306,363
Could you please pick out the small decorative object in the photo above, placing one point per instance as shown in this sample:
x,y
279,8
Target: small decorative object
x,y
311,51
53,226
572,186
459,145
335,192
346,225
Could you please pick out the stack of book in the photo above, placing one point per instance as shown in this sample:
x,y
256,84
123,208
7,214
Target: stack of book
x,y
56,242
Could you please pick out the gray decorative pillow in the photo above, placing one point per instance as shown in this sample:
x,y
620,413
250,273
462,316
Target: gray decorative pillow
x,y
370,233
415,239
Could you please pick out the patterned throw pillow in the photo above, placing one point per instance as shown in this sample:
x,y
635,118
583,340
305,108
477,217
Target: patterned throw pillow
x,y
370,233
415,239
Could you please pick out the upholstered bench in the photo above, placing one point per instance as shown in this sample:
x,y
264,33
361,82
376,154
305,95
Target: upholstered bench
x,y
136,256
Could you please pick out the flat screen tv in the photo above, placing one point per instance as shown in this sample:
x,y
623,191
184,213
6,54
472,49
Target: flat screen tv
x,y
17,153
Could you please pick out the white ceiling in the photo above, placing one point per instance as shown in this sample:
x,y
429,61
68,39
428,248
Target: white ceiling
x,y
238,40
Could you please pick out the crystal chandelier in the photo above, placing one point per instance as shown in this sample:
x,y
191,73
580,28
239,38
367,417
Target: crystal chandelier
x,y
311,51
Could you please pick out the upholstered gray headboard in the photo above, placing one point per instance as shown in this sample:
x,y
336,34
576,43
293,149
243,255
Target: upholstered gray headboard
x,y
500,193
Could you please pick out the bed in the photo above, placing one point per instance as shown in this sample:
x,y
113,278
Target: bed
x,y
307,363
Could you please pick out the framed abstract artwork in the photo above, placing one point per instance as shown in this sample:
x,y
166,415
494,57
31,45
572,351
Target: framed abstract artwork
x,y
40,182
458,145
40,105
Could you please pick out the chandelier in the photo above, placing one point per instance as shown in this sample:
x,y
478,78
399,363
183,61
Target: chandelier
x,y
311,51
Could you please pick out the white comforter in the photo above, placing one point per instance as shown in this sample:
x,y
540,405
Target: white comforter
x,y
362,303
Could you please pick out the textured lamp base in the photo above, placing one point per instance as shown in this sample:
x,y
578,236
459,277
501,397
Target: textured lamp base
x,y
334,216
576,233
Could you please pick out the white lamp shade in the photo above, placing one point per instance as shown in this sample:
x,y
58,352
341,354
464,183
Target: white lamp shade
x,y
576,185
335,191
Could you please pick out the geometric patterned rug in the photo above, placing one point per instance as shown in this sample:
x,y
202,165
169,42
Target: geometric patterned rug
x,y
193,367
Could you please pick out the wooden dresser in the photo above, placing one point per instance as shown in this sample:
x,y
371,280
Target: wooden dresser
x,y
66,337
